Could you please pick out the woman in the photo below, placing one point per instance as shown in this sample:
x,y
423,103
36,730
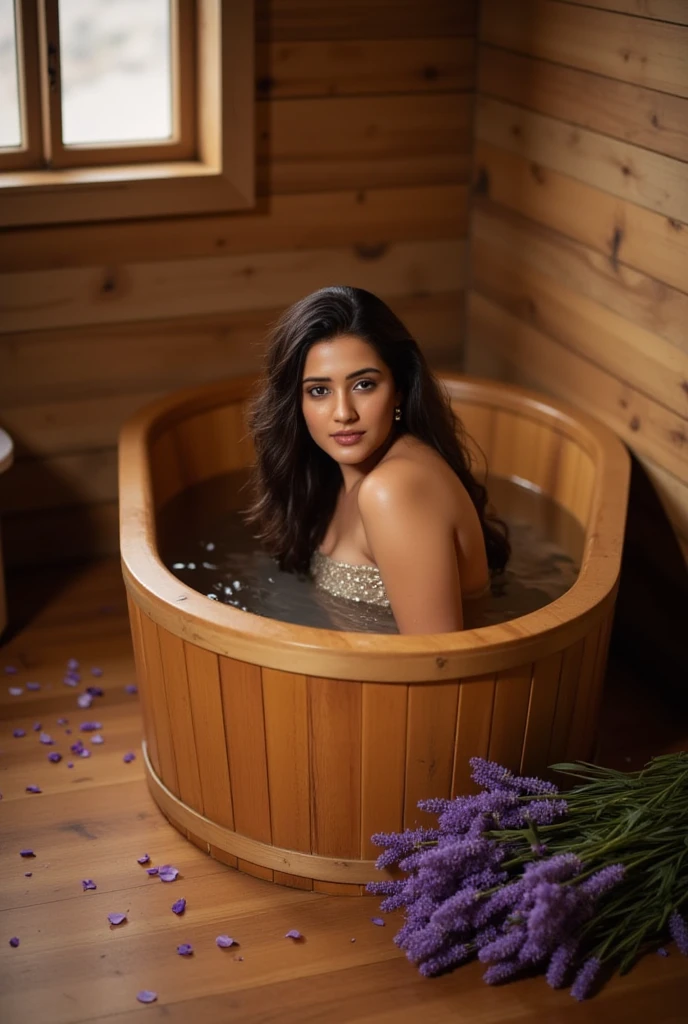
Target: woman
x,y
361,479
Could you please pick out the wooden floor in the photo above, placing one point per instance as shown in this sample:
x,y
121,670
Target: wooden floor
x,y
94,820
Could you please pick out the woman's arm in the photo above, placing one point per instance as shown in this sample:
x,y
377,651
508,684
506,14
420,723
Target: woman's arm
x,y
411,539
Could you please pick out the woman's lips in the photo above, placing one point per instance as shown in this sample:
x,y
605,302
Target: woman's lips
x,y
348,439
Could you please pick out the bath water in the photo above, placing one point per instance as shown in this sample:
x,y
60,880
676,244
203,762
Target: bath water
x,y
203,541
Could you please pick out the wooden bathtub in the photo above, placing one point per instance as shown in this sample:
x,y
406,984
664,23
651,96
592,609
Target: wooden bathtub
x,y
281,749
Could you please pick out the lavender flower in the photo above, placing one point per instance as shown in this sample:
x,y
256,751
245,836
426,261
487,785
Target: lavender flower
x,y
585,978
678,929
500,972
560,962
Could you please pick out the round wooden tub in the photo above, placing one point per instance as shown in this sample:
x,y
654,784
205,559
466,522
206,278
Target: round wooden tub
x,y
281,749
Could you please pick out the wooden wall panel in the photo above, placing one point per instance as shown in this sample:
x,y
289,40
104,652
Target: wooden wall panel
x,y
363,133
579,242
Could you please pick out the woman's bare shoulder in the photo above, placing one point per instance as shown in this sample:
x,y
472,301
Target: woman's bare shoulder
x,y
411,468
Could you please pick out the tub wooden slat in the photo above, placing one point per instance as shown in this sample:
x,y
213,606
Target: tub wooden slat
x,y
206,711
339,888
566,698
567,475
585,483
158,704
142,681
592,715
242,701
166,472
285,702
543,468
512,693
476,697
257,870
578,742
541,708
224,858
293,881
334,739
212,442
382,762
181,722
503,457
431,728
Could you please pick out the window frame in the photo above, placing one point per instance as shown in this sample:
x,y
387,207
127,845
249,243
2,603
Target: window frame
x,y
218,177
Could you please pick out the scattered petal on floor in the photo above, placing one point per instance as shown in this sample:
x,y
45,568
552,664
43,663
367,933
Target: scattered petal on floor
x,y
152,871
146,997
128,757
37,726
378,921
28,874
97,738
95,691
84,700
84,753
91,726
179,906
293,934
14,942
72,664
144,859
26,853
16,691
131,688
167,873
223,941
54,756
17,733
33,686
45,738
116,918
88,883
186,949
34,789
97,672
10,670
62,721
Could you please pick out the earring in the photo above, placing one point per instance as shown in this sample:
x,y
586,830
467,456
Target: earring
x,y
397,413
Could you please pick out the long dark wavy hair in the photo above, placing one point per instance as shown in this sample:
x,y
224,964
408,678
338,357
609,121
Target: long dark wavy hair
x,y
294,483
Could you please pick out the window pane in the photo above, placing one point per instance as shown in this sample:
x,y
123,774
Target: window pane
x,y
116,70
10,121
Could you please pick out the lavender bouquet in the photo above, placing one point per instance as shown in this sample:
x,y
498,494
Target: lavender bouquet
x,y
527,878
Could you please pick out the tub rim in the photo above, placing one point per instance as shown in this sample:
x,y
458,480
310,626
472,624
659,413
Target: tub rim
x,y
374,657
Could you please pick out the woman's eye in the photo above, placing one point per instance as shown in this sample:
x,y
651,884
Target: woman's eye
x,y
367,382
318,387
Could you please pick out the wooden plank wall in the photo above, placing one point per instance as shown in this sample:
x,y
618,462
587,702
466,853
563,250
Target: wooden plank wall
x,y
579,223
363,127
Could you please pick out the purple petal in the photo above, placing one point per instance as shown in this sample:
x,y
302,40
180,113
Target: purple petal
x,y
131,688
144,859
97,738
84,753
62,721
28,874
10,670
97,672
15,941
18,733
54,756
70,681
70,764
152,871
88,883
34,789
95,691
15,691
293,934
77,747
146,997
167,874
68,732
128,758
84,700
378,921
186,949
72,664
179,906
45,738
91,726
223,941
116,918
37,726
33,686
26,853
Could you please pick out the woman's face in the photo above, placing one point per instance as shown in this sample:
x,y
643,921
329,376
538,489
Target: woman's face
x,y
348,398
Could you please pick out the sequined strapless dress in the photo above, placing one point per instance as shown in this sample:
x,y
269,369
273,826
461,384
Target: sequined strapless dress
x,y
358,582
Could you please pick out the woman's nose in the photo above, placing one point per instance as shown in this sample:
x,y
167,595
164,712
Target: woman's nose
x,y
344,409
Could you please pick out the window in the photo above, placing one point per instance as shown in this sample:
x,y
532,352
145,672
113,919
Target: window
x,y
121,108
